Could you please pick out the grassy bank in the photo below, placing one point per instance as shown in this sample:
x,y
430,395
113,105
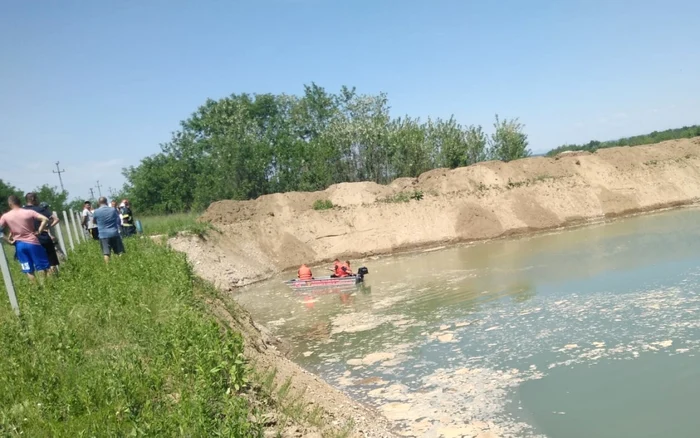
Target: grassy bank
x,y
117,350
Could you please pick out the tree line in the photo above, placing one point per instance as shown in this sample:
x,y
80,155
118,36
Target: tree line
x,y
654,137
243,146
57,200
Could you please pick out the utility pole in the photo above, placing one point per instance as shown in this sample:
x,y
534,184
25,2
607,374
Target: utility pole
x,y
59,172
112,193
92,194
99,188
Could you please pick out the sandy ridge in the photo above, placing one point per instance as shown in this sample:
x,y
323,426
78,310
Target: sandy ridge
x,y
262,237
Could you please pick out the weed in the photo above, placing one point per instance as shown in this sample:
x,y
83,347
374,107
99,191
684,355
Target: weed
x,y
345,431
515,184
323,204
405,196
651,163
481,186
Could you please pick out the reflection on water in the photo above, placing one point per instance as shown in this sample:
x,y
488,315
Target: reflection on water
x,y
456,342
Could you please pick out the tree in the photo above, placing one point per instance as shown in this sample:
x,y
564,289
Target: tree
x,y
508,141
246,145
7,189
476,141
56,199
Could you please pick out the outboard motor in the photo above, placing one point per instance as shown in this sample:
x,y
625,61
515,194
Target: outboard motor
x,y
362,272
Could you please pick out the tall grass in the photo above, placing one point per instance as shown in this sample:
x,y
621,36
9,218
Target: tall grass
x,y
119,350
171,224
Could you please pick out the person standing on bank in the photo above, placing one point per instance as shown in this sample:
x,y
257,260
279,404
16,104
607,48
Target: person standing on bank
x,y
44,237
30,254
113,204
89,221
107,221
127,217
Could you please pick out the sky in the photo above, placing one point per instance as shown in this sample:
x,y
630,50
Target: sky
x,y
99,85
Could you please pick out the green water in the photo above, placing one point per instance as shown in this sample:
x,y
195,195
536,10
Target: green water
x,y
592,332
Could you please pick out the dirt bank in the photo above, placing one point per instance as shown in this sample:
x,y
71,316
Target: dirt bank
x,y
305,405
277,232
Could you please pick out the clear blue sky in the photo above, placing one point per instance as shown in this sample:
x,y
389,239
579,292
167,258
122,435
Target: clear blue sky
x,y
99,84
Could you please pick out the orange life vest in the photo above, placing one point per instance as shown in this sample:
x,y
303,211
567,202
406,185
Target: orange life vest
x,y
348,271
339,271
304,273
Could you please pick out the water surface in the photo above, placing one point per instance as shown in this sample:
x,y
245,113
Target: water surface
x,y
581,333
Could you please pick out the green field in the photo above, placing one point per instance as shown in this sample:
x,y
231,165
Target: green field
x,y
171,224
121,349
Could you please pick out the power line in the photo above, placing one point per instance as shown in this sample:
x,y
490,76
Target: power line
x,y
59,172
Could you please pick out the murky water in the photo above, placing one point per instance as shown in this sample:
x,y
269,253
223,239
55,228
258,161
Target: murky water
x,y
592,332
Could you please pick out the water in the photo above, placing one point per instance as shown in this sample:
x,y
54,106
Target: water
x,y
582,333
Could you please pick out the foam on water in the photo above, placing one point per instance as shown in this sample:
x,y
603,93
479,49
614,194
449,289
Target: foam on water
x,y
444,353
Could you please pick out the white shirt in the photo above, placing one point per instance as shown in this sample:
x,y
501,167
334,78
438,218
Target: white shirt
x,y
91,219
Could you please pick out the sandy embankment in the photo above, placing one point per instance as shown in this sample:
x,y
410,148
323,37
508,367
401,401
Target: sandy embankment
x,y
262,237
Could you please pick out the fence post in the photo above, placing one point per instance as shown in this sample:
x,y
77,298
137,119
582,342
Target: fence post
x,y
5,268
79,226
61,243
83,231
70,235
75,227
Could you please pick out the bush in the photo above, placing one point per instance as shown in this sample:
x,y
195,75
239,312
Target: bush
x,y
323,204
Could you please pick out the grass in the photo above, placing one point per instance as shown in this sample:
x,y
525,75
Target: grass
x,y
171,224
119,350
323,204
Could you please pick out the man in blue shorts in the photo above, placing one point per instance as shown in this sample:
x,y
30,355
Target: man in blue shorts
x,y
31,255
107,220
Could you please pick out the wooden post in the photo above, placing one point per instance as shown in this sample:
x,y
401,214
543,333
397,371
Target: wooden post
x,y
9,285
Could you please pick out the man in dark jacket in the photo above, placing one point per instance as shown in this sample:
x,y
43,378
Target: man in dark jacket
x,y
127,219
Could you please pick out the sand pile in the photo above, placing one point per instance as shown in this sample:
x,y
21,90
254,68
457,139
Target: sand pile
x,y
277,232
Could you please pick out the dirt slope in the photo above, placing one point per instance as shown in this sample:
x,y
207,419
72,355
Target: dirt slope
x,y
277,232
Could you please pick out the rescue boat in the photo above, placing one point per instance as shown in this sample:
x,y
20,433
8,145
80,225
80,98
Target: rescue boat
x,y
329,282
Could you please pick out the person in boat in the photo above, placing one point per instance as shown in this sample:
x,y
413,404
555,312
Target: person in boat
x,y
304,273
335,268
341,270
348,270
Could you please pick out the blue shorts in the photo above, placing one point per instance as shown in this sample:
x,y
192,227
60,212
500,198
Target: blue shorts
x,y
32,257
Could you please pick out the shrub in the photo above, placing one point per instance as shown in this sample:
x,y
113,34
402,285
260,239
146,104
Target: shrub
x,y
323,204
